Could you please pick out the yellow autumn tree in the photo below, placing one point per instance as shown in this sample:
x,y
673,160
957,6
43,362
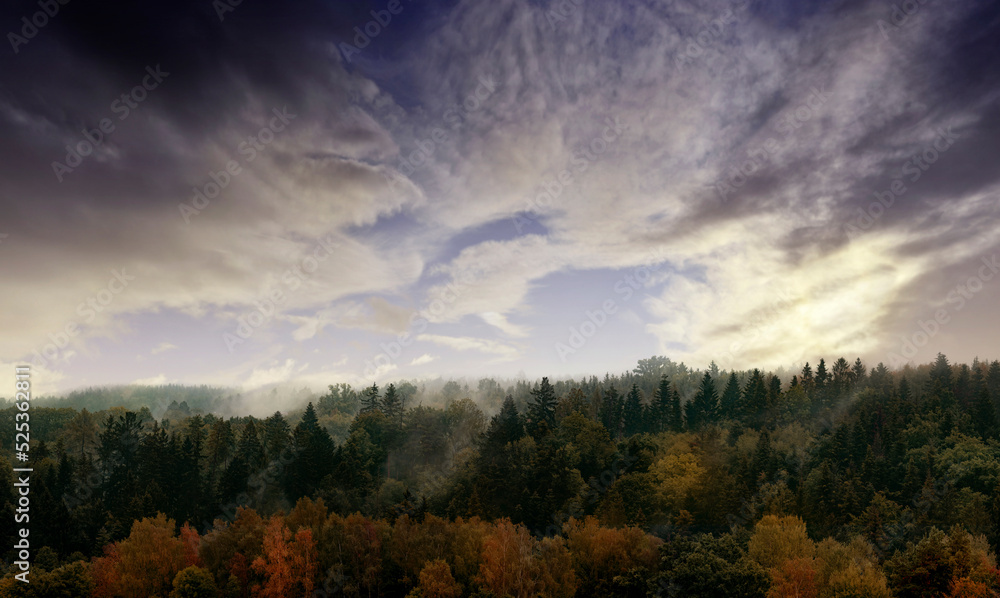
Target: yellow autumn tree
x,y
676,475
779,539
436,581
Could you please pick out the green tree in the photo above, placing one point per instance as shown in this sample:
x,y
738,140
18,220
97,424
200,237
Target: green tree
x,y
729,402
676,416
277,435
250,448
633,413
704,408
542,409
370,400
660,407
194,582
392,405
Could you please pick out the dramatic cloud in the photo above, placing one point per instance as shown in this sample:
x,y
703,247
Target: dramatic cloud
x,y
234,197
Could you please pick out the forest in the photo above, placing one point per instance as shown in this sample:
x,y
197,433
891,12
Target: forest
x,y
837,480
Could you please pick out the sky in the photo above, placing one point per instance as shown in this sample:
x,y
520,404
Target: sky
x,y
252,193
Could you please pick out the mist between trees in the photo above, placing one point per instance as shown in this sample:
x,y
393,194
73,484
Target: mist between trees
x,y
832,480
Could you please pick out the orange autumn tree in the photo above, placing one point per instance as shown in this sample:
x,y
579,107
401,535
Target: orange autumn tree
x,y
601,553
967,588
507,561
795,578
142,565
289,564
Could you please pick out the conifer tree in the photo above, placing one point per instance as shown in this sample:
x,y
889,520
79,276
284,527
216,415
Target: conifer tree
x,y
543,406
611,411
704,408
392,405
633,411
730,398
660,408
676,416
370,399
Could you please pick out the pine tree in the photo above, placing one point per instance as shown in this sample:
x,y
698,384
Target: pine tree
x,y
730,398
963,386
543,406
858,373
984,417
277,435
676,417
704,408
821,375
633,411
611,411
904,390
660,408
250,447
939,385
392,405
773,395
370,399
313,458
754,399
841,376
505,427
993,382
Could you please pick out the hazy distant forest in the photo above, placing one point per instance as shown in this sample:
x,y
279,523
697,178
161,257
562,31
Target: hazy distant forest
x,y
838,481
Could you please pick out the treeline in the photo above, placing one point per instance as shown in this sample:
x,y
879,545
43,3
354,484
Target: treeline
x,y
860,468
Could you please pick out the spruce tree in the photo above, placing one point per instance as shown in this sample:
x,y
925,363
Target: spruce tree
x,y
993,382
543,406
392,405
705,406
660,408
250,447
611,412
676,417
370,399
277,435
821,375
633,411
984,417
754,400
730,398
505,427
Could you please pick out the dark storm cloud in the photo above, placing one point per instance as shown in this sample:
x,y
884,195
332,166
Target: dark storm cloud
x,y
824,106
